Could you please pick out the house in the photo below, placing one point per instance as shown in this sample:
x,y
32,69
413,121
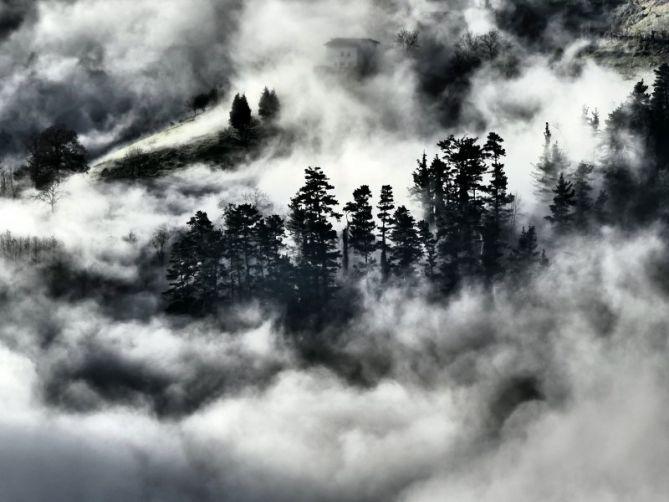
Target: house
x,y
355,55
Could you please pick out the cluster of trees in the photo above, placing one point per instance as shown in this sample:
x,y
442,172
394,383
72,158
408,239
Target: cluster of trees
x,y
629,184
28,249
241,117
464,232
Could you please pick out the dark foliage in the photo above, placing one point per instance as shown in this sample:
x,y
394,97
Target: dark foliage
x,y
240,114
360,230
269,106
53,154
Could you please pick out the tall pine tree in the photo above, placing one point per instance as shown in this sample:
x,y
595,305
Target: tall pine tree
x,y
498,210
195,273
361,227
406,250
240,114
562,215
312,211
241,237
386,206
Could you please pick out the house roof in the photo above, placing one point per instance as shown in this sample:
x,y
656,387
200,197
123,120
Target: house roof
x,y
350,42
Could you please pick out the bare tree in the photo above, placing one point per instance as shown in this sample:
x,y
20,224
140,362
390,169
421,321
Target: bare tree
x,y
408,40
159,242
52,194
259,199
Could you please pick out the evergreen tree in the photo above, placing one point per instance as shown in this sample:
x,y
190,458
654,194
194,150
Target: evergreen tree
x,y
526,255
582,196
423,187
195,272
460,218
240,114
269,105
498,209
659,107
386,206
241,237
562,215
362,226
551,163
639,106
310,223
274,266
429,246
431,187
345,255
406,250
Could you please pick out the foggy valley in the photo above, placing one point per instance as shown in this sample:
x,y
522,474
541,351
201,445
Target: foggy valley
x,y
334,250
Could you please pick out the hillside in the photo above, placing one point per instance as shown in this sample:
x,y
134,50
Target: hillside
x,y
638,38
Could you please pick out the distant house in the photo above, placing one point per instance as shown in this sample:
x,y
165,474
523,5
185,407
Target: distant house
x,y
358,55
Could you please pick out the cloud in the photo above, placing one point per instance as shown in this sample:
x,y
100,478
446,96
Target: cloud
x,y
490,396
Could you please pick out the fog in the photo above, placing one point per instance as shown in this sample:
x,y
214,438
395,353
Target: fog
x,y
553,392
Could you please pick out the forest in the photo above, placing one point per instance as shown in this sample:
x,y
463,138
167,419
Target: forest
x,y
236,266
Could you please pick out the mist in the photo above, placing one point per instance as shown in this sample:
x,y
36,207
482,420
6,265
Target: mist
x,y
553,389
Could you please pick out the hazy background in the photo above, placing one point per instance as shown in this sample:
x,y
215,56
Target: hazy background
x,y
554,393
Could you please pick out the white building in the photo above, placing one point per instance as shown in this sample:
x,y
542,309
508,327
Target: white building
x,y
352,54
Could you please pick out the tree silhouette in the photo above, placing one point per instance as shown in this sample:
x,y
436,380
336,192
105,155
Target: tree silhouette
x,y
526,256
275,270
196,271
310,224
54,153
241,245
361,227
406,250
269,105
240,114
386,206
551,163
659,108
429,247
497,210
562,215
460,228
583,205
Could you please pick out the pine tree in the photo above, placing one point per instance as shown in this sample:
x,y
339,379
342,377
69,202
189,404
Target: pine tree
x,y
562,215
406,250
659,108
345,255
269,105
551,163
240,114
526,255
430,187
362,226
274,266
386,206
582,196
196,271
423,187
498,210
241,236
460,220
310,223
429,247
